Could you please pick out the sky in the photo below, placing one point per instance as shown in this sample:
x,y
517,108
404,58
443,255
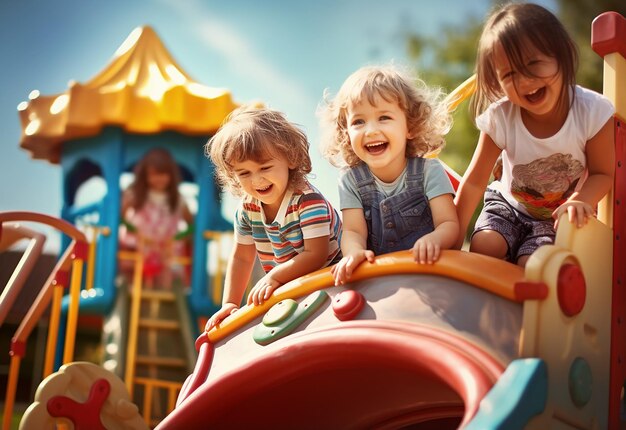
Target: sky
x,y
281,52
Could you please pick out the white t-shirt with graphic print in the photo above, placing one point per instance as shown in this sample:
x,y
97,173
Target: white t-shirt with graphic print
x,y
538,175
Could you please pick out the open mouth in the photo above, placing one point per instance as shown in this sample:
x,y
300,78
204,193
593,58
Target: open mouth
x,y
264,190
376,148
537,95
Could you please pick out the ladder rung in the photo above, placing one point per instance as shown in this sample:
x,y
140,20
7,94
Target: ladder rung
x,y
159,324
164,296
161,361
158,383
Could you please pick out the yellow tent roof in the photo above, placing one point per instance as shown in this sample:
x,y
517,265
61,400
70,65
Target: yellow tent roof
x,y
142,90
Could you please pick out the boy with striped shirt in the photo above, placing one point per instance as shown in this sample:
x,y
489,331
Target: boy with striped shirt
x,y
283,219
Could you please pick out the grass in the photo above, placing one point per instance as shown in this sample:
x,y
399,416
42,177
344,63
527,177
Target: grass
x,y
15,420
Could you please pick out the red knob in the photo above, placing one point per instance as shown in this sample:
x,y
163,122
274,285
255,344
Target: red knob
x,y
571,289
348,304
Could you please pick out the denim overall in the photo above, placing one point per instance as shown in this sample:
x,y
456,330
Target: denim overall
x,y
394,223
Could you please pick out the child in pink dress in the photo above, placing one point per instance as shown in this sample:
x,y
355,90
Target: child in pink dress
x,y
153,211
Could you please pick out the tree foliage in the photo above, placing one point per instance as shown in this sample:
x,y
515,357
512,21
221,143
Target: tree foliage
x,y
448,60
577,17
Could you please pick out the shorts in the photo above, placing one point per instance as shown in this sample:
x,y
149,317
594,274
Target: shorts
x,y
522,233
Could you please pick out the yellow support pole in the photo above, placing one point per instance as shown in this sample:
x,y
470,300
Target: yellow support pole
x,y
147,403
131,350
173,388
9,402
53,329
615,89
172,395
72,313
218,286
91,258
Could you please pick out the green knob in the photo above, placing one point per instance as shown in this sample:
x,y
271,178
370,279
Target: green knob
x,y
580,382
279,312
287,316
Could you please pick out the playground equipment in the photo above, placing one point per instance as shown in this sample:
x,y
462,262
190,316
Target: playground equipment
x,y
142,99
156,357
469,341
108,405
100,129
52,291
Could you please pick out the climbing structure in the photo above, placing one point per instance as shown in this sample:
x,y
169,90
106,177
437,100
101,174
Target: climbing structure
x,y
469,342
99,129
140,100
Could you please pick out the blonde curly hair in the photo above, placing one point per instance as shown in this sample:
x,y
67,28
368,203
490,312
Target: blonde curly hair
x,y
428,119
252,132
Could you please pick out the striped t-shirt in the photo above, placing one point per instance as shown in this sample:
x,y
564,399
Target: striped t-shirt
x,y
301,216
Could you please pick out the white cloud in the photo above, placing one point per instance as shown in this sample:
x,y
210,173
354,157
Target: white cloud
x,y
241,55
280,90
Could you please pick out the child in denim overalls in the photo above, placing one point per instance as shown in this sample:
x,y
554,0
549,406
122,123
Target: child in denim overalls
x,y
380,125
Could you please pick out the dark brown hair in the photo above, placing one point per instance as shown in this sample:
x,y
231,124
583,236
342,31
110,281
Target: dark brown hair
x,y
257,133
162,161
515,26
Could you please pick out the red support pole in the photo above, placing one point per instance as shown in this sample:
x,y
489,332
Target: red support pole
x,y
618,320
608,36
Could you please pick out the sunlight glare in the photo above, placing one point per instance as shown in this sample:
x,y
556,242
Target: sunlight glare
x,y
175,75
32,127
129,42
204,91
59,104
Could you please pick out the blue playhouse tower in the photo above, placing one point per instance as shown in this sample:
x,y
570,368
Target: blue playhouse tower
x,y
101,128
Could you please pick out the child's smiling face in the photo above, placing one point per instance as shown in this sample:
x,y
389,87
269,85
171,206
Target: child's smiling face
x,y
537,95
378,133
157,180
266,180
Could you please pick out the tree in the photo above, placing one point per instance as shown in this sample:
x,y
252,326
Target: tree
x,y
577,16
448,60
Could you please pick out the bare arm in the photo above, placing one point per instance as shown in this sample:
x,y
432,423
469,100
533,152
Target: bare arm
x,y
186,213
600,155
312,258
354,236
238,273
474,182
428,248
353,245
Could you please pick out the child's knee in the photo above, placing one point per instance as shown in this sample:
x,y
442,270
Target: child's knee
x,y
489,242
522,260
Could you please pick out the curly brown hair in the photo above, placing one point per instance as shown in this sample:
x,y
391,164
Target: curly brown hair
x,y
251,132
428,120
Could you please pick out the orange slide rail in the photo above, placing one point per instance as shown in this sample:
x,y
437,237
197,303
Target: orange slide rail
x,y
502,279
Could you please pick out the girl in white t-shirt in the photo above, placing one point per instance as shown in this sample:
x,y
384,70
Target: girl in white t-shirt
x,y
555,138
